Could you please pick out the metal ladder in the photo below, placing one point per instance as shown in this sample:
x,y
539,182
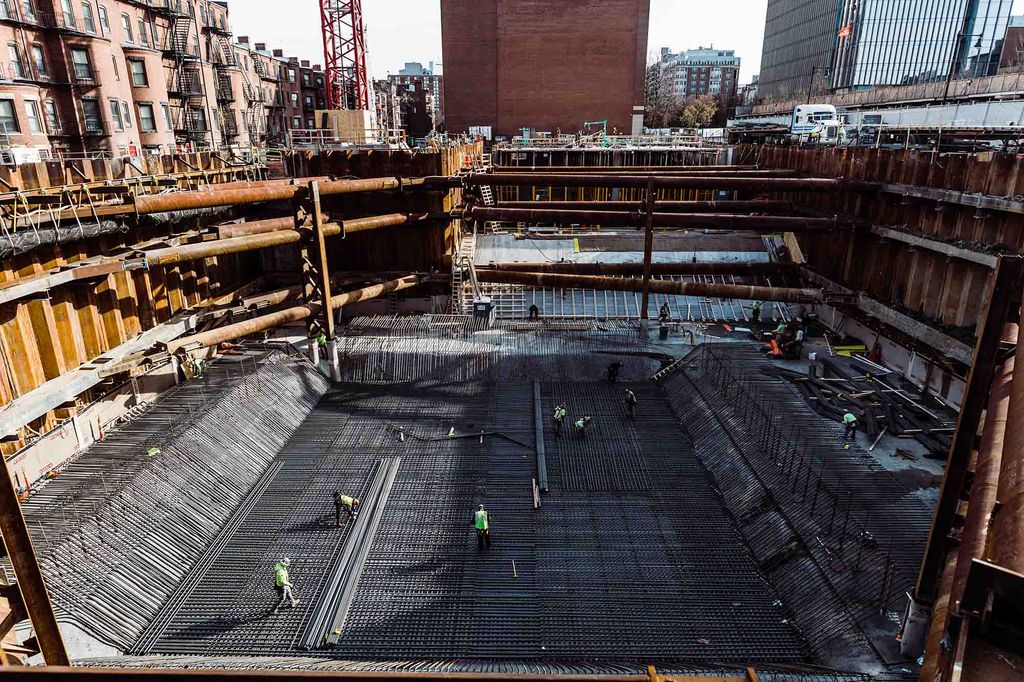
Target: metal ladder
x,y
462,261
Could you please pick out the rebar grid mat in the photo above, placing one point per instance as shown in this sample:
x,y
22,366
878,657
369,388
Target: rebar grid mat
x,y
394,350
816,515
513,302
120,527
635,562
476,665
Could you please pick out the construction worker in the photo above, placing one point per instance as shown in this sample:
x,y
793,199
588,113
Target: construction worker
x,y
343,502
581,426
559,418
666,313
780,331
850,430
613,371
755,312
283,584
482,523
631,402
534,312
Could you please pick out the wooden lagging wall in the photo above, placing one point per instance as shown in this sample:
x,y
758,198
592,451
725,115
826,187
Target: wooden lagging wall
x,y
42,339
943,291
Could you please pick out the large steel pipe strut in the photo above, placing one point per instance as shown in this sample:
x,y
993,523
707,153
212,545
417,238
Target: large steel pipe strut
x,y
332,227
660,182
287,316
718,221
616,169
181,201
754,206
727,291
222,247
636,269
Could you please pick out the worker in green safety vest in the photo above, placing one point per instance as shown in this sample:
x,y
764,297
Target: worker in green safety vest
x,y
283,584
482,523
344,503
850,430
559,418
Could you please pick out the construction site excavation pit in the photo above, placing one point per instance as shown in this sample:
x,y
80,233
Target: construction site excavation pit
x,y
627,546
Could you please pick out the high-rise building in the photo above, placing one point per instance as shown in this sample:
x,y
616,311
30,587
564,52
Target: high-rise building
x,y
130,77
704,72
413,78
547,66
813,46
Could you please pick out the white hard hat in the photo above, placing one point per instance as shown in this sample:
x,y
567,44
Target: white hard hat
x,y
286,561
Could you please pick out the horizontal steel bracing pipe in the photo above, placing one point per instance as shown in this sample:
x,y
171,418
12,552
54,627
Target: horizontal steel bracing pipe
x,y
726,291
660,182
236,197
616,169
260,184
260,240
636,219
758,206
637,269
282,317
668,172
332,227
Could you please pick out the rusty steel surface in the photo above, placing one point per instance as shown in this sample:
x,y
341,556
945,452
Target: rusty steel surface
x,y
220,247
753,223
64,673
259,184
331,227
661,182
616,169
181,201
252,227
702,171
22,555
1007,533
757,206
282,317
727,291
657,269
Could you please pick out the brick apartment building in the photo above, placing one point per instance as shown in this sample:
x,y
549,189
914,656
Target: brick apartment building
x,y
704,72
547,66
134,76
422,91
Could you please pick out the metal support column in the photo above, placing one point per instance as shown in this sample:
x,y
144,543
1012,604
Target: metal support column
x,y
316,277
651,199
1003,307
30,577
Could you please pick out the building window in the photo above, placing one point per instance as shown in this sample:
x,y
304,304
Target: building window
x,y
81,64
167,115
115,115
143,33
305,80
138,70
52,120
17,63
91,115
35,121
104,20
294,97
291,75
309,101
126,23
28,12
147,119
126,113
68,13
5,11
296,122
88,21
199,116
156,36
310,123
319,82
39,60
8,120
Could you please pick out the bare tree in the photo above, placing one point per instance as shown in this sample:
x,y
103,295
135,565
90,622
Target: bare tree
x,y
662,105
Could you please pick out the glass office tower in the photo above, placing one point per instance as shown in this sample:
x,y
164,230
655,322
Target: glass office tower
x,y
902,42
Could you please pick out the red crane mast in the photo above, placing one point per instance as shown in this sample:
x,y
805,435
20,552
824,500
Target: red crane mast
x,y
348,81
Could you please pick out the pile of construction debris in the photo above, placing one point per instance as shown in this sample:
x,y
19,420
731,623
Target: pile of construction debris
x,y
875,395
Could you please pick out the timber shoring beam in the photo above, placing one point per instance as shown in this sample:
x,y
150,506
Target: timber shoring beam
x,y
718,221
1002,306
30,578
745,207
239,330
830,185
658,269
727,291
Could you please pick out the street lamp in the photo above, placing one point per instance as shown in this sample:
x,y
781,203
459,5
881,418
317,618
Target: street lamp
x,y
954,66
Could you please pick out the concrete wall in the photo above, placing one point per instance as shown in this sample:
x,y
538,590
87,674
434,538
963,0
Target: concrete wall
x,y
547,66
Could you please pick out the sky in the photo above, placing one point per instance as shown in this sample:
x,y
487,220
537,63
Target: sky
x,y
400,31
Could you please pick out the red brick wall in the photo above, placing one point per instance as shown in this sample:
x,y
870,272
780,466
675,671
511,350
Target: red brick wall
x,y
544,65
